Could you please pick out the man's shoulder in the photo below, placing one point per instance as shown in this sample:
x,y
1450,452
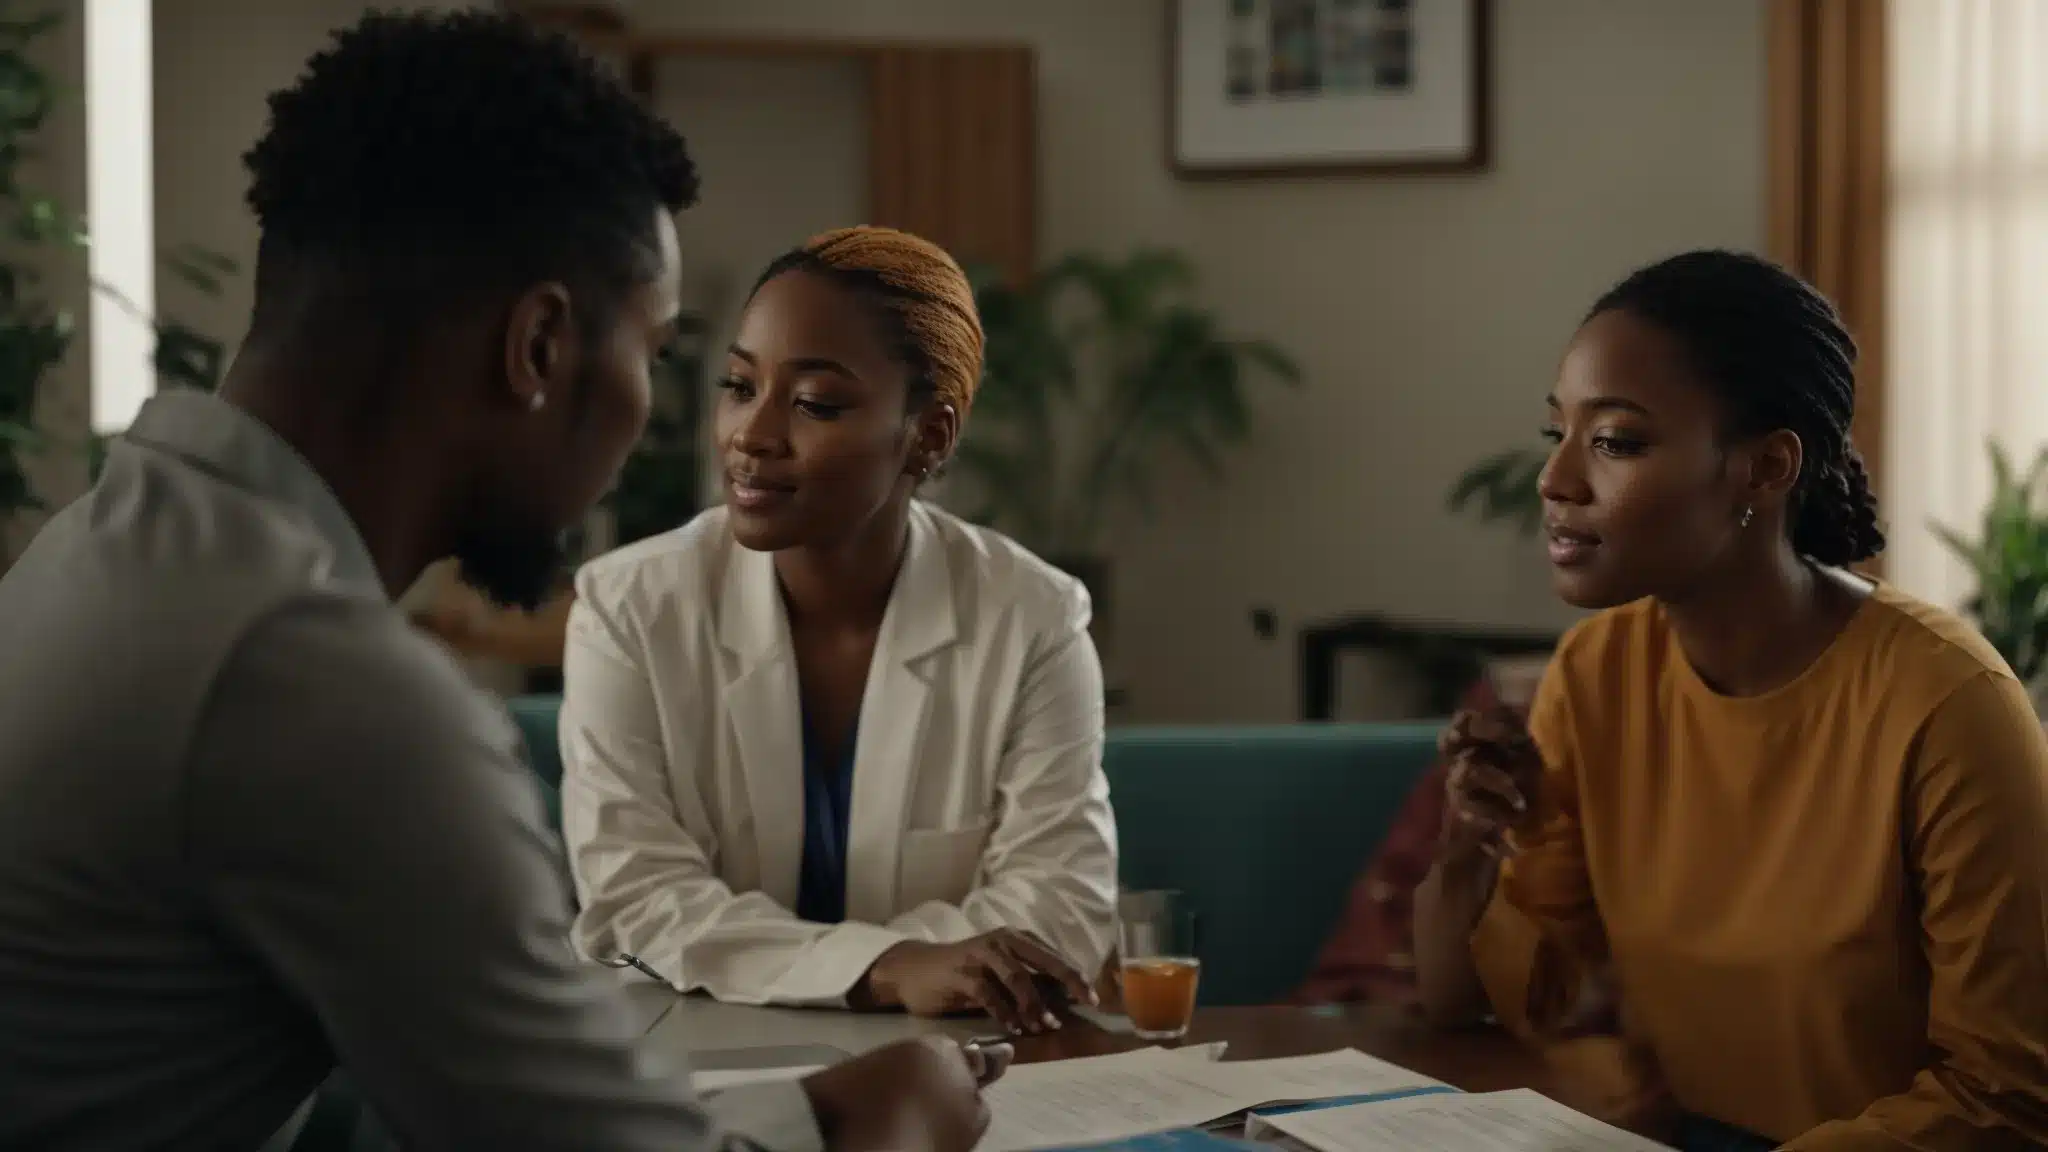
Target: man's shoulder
x,y
118,635
347,660
170,568
333,708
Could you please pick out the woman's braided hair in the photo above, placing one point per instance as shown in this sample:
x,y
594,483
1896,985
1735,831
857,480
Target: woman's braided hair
x,y
1776,351
918,294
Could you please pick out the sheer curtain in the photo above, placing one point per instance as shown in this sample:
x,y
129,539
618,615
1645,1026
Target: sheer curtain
x,y
1968,298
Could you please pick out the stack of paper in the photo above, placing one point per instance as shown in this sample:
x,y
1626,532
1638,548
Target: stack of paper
x,y
1518,1121
1071,1103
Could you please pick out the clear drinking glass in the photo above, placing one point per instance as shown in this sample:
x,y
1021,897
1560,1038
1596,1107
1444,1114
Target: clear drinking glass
x,y
1159,969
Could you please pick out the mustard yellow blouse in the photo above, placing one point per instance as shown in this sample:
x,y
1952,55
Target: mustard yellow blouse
x,y
1825,907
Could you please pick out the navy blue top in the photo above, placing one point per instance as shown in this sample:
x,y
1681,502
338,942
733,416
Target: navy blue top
x,y
828,799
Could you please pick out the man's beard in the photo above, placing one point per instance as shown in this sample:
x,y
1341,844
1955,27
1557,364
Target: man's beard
x,y
515,569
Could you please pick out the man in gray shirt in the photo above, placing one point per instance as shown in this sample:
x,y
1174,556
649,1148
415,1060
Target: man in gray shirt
x,y
251,825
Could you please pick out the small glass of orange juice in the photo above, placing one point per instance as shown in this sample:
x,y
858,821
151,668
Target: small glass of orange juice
x,y
1159,968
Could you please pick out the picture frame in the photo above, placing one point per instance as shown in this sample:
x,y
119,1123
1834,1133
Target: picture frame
x,y
1328,87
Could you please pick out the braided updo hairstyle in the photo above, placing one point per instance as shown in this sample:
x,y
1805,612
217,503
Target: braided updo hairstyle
x,y
1775,350
917,293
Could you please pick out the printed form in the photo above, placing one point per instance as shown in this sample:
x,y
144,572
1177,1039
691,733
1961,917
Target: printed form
x,y
1090,1101
1517,1121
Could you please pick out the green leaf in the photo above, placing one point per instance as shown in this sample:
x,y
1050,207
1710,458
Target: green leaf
x,y
202,269
1502,486
1008,483
1969,553
18,436
1276,363
22,31
41,221
1202,450
2001,470
2010,563
1095,368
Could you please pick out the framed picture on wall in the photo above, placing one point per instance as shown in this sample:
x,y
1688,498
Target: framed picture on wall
x,y
1271,87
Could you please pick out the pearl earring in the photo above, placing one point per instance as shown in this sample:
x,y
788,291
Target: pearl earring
x,y
536,402
1748,514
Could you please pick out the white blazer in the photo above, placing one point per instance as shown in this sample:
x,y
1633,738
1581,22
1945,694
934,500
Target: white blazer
x,y
978,797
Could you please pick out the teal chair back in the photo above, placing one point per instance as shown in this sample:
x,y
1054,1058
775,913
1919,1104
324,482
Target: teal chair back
x,y
1263,830
539,719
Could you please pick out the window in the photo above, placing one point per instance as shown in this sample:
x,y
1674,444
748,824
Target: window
x,y
1968,270
120,209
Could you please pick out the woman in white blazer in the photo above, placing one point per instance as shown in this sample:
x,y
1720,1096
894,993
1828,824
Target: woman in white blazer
x,y
827,744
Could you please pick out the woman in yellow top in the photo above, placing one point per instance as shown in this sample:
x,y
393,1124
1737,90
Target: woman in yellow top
x,y
1791,823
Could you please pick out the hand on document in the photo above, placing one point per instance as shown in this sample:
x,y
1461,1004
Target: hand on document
x,y
914,1096
1010,975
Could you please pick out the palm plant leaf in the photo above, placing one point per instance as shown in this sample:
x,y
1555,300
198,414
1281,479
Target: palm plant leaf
x,y
19,436
197,267
1271,359
1502,487
1106,347
2009,561
1013,491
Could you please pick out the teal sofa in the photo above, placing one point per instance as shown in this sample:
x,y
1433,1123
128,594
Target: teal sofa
x,y
1263,829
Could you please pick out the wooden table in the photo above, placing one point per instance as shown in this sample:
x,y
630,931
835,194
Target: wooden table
x,y
698,1029
1475,1060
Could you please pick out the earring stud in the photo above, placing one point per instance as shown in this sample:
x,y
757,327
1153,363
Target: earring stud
x,y
1748,514
536,402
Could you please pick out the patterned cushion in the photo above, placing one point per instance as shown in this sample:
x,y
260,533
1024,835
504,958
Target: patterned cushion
x,y
1370,955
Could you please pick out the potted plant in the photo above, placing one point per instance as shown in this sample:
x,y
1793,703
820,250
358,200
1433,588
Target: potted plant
x,y
34,333
2010,562
1502,487
662,483
1095,368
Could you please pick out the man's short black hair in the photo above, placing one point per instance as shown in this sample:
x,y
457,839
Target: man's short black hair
x,y
428,159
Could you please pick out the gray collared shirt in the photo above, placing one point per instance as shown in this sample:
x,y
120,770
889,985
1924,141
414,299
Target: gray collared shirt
x,y
252,825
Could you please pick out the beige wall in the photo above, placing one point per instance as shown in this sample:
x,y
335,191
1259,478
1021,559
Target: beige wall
x,y
1427,313
215,62
758,202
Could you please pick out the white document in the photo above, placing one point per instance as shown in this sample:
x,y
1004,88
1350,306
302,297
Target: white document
x,y
715,1079
1517,1121
718,1079
1345,1072
1102,1098
1211,1052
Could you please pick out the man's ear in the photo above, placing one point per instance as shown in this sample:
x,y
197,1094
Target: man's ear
x,y
540,345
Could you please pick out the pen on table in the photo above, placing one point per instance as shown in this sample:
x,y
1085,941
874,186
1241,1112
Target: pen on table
x,y
628,960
